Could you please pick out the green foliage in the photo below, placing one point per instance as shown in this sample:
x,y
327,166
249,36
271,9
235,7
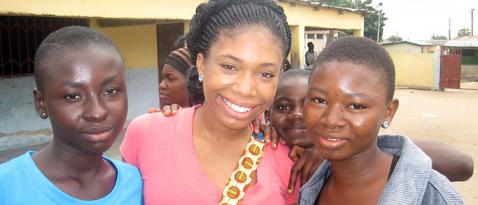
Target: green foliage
x,y
371,17
438,37
464,32
395,38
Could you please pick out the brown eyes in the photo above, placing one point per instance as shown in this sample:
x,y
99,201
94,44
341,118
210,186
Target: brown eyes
x,y
73,98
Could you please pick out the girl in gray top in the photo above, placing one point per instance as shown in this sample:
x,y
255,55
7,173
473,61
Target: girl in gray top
x,y
349,97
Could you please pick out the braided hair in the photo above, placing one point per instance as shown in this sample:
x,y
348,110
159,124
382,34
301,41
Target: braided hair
x,y
216,16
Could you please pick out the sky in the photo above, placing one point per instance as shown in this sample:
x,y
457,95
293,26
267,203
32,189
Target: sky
x,y
420,19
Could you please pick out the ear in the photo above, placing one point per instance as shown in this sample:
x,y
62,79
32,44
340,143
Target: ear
x,y
40,105
392,108
200,63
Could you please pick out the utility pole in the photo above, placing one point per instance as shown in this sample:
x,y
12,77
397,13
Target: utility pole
x,y
379,9
472,10
449,28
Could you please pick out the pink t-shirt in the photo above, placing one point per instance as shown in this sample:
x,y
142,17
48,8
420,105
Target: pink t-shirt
x,y
162,148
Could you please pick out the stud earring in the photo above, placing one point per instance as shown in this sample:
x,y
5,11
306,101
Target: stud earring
x,y
385,125
43,115
200,77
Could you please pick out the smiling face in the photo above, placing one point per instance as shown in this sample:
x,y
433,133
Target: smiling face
x,y
84,95
287,110
344,108
173,87
241,71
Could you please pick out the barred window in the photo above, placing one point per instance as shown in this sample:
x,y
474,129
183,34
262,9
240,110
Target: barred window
x,y
20,36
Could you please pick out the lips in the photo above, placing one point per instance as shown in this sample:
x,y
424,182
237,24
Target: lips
x,y
98,134
332,142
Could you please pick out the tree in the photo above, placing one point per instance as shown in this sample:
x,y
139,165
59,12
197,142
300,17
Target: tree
x,y
395,38
438,37
464,32
371,17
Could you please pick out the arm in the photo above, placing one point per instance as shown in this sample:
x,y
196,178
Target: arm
x,y
449,161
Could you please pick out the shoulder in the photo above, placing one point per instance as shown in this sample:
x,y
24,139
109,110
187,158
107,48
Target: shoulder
x,y
12,166
125,169
440,191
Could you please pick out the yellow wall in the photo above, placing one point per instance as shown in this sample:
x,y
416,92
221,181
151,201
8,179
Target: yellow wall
x,y
142,9
414,70
403,48
137,44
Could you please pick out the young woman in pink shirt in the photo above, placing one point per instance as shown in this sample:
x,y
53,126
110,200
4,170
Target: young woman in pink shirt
x,y
206,154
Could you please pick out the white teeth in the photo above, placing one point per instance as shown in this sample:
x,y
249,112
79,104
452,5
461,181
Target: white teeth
x,y
333,139
237,108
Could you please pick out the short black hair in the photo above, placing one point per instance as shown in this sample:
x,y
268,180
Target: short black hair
x,y
293,73
360,50
217,16
67,38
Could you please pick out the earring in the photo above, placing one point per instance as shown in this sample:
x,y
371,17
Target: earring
x,y
385,125
200,77
43,115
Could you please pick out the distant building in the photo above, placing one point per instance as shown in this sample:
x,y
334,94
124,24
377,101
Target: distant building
x,y
410,47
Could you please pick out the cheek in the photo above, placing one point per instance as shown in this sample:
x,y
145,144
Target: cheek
x,y
278,120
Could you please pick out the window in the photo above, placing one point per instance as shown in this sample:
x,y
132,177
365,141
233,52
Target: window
x,y
310,36
20,36
320,36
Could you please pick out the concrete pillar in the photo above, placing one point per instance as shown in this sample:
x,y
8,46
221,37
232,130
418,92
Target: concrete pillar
x,y
436,69
358,32
186,26
297,50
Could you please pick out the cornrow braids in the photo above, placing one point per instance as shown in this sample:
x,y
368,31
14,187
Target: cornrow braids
x,y
217,16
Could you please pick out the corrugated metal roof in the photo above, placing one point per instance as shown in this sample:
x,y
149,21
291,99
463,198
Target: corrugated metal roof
x,y
417,43
463,41
318,5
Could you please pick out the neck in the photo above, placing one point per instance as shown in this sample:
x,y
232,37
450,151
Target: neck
x,y
64,159
206,126
364,168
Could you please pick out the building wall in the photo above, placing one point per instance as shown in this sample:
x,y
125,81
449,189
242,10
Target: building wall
x,y
414,70
403,48
142,9
469,73
137,43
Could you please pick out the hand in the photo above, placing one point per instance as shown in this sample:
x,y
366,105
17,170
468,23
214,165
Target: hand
x,y
271,136
167,110
307,163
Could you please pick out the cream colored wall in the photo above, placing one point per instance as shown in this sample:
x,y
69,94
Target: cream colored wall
x,y
403,48
137,44
142,9
299,16
323,17
414,70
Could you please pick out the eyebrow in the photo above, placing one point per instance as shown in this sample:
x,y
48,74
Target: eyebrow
x,y
80,84
239,60
108,80
352,95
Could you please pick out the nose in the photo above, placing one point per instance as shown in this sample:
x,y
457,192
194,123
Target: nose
x,y
95,109
162,84
333,117
296,115
245,85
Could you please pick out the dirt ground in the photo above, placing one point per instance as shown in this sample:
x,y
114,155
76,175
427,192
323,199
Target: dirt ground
x,y
449,117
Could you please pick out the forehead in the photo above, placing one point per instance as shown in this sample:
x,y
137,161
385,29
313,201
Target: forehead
x,y
296,85
247,41
348,77
85,62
